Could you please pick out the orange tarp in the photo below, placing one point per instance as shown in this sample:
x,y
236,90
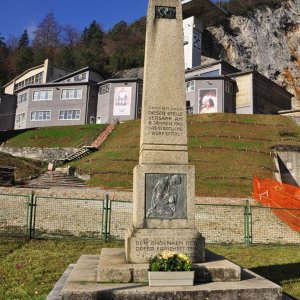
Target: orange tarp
x,y
283,199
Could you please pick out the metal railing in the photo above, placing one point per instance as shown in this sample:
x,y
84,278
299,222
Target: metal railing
x,y
55,217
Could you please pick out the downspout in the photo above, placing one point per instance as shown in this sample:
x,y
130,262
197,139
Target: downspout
x,y
87,103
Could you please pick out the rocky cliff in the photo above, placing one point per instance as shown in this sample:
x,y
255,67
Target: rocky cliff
x,y
267,39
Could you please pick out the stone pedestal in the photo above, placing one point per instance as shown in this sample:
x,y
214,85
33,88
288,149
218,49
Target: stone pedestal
x,y
142,244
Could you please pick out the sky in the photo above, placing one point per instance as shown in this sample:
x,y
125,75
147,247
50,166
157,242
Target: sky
x,y
18,15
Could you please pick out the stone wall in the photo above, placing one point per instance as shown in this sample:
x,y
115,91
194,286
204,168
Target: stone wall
x,y
289,166
45,154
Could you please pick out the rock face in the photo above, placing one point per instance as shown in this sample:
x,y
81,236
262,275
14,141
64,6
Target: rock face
x,y
267,39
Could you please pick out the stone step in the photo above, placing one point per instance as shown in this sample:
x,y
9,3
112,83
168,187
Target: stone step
x,y
82,284
56,178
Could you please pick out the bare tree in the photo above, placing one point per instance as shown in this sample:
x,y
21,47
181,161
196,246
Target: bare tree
x,y
47,35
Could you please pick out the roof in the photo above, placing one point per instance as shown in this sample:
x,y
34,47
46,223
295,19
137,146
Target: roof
x,y
210,64
53,85
220,77
22,74
76,73
112,80
205,10
130,73
31,69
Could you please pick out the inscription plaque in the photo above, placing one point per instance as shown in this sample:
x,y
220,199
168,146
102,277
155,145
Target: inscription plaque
x,y
166,196
165,12
165,121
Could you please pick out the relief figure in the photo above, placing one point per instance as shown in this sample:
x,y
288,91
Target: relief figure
x,y
165,197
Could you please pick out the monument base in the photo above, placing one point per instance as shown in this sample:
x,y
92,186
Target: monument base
x,y
142,244
113,267
82,284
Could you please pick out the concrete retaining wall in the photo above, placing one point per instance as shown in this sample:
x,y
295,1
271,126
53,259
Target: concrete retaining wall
x,y
45,154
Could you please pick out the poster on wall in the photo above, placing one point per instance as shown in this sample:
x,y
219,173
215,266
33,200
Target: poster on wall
x,y
122,101
207,101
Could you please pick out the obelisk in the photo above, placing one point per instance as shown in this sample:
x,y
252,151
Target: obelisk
x,y
163,183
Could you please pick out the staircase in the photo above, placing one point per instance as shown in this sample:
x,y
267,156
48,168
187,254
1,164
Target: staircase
x,y
56,178
103,136
87,150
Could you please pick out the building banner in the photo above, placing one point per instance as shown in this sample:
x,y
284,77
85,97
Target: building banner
x,y
122,101
207,101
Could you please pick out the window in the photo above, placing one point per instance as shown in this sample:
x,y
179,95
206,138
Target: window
x,y
42,95
69,114
38,78
41,115
104,89
71,94
22,98
80,77
20,118
190,86
228,87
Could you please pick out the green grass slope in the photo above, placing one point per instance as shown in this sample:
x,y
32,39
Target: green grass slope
x,y
57,136
227,150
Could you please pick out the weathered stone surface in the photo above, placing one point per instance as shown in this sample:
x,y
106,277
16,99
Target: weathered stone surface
x,y
243,41
46,154
164,129
142,244
216,269
139,193
113,266
80,287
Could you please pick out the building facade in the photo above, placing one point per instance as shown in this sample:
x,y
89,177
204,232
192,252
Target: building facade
x,y
70,100
119,100
44,73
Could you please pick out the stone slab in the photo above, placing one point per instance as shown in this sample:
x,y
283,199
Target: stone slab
x,y
113,267
80,287
142,244
55,294
140,190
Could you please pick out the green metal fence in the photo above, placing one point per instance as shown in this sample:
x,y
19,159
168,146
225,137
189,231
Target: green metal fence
x,y
14,215
55,217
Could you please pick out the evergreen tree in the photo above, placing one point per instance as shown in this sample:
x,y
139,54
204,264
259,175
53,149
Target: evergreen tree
x,y
3,56
24,53
90,52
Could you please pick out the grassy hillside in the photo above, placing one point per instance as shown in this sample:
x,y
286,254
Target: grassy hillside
x,y
61,136
227,150
25,168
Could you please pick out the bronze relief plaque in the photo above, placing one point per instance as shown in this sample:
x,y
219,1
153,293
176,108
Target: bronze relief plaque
x,y
166,196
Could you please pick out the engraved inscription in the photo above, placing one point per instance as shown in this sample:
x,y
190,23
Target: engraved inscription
x,y
165,12
166,196
190,247
165,121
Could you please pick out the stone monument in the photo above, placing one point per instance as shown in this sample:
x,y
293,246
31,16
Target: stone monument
x,y
163,183
163,196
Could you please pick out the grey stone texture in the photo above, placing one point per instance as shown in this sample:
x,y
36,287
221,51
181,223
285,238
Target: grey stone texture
x,y
243,41
163,182
164,128
139,192
113,267
45,154
82,285
142,244
55,293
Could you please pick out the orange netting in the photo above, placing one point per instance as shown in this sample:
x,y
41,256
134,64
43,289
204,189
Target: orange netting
x,y
283,199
